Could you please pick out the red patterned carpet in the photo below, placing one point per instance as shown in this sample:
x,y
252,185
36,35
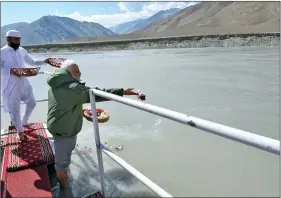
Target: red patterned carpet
x,y
4,163
32,152
27,162
32,182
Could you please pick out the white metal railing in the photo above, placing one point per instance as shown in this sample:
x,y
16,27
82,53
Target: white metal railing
x,y
261,142
100,147
39,100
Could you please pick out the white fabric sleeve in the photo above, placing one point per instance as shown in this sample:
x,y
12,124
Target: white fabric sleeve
x,y
5,74
31,61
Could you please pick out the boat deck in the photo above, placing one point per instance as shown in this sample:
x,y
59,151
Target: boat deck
x,y
35,181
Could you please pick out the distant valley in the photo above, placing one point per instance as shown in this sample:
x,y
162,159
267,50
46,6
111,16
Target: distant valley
x,y
131,26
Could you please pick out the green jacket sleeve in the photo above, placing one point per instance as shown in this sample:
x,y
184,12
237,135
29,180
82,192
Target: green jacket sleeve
x,y
115,91
83,96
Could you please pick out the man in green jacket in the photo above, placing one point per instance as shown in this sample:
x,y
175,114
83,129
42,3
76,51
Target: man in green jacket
x,y
66,97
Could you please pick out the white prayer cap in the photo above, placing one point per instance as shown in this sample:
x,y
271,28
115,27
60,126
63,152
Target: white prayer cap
x,y
13,33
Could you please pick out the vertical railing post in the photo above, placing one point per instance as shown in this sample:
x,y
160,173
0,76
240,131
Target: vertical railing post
x,y
97,138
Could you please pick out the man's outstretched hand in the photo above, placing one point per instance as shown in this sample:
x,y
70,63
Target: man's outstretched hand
x,y
130,92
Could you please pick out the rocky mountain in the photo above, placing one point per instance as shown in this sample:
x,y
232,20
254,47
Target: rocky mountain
x,y
219,17
131,26
50,29
13,26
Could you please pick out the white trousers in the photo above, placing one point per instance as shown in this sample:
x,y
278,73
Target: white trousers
x,y
22,91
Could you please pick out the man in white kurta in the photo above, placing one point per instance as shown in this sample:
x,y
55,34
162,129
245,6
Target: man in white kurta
x,y
15,89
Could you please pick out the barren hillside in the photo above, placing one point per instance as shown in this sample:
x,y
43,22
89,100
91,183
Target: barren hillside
x,y
221,17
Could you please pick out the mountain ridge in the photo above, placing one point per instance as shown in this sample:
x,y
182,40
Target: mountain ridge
x,y
131,26
220,15
49,29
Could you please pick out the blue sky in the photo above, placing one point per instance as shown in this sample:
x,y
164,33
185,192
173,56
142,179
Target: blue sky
x,y
106,13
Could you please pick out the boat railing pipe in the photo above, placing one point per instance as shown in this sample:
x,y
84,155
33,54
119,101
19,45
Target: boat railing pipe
x,y
260,142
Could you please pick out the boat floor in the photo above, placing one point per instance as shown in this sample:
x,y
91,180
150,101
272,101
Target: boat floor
x,y
84,179
56,191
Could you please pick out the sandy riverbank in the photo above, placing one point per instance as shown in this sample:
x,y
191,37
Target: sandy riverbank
x,y
226,40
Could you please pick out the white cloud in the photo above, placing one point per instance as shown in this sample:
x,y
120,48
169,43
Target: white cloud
x,y
123,7
126,15
57,12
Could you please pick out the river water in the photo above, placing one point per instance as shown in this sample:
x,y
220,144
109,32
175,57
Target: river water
x,y
238,87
